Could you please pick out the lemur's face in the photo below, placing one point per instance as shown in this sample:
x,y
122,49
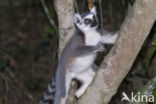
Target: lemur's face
x,y
87,21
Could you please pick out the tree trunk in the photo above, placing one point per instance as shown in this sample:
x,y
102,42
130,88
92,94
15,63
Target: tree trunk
x,y
65,13
118,62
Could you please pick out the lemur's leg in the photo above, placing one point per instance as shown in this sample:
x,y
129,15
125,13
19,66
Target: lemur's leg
x,y
109,37
86,78
85,50
63,80
68,80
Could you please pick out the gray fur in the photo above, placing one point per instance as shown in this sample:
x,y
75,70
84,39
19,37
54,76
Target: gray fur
x,y
77,59
74,49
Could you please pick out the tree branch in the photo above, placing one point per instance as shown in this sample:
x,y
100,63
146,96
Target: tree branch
x,y
101,16
118,62
52,23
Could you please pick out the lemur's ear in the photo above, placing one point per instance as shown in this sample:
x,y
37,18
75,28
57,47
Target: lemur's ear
x,y
93,10
77,18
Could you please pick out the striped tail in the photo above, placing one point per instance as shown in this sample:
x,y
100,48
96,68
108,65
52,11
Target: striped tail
x,y
48,97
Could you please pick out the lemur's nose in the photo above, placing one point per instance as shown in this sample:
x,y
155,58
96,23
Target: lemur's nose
x,y
94,23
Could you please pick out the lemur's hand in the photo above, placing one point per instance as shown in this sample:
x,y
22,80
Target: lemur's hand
x,y
100,47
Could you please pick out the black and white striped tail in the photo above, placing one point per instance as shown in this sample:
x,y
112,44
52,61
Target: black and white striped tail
x,y
48,96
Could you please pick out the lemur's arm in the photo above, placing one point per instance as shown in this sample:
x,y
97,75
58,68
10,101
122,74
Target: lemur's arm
x,y
85,50
109,37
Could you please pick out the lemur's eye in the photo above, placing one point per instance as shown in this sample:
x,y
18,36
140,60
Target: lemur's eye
x,y
87,21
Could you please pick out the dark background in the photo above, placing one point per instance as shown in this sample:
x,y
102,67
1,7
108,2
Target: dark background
x,y
28,49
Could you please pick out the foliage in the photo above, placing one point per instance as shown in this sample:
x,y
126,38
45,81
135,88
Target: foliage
x,y
129,1
50,35
7,54
154,93
148,89
149,56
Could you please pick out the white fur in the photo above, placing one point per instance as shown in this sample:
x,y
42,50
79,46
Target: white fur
x,y
50,89
77,17
90,16
67,82
109,39
92,37
82,64
81,70
93,10
46,97
81,25
86,78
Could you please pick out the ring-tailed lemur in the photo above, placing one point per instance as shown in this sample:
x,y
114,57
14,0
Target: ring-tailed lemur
x,y
77,59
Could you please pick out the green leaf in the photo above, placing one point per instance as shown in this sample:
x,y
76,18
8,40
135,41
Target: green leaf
x,y
154,43
123,2
49,30
154,93
151,51
51,33
132,1
141,72
52,11
148,89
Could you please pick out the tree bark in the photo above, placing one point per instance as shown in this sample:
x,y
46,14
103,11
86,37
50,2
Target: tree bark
x,y
65,13
118,62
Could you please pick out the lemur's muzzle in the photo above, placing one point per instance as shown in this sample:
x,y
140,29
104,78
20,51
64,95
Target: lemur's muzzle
x,y
93,24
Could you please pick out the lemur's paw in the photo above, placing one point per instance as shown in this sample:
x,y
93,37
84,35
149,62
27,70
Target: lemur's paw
x,y
78,94
100,47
